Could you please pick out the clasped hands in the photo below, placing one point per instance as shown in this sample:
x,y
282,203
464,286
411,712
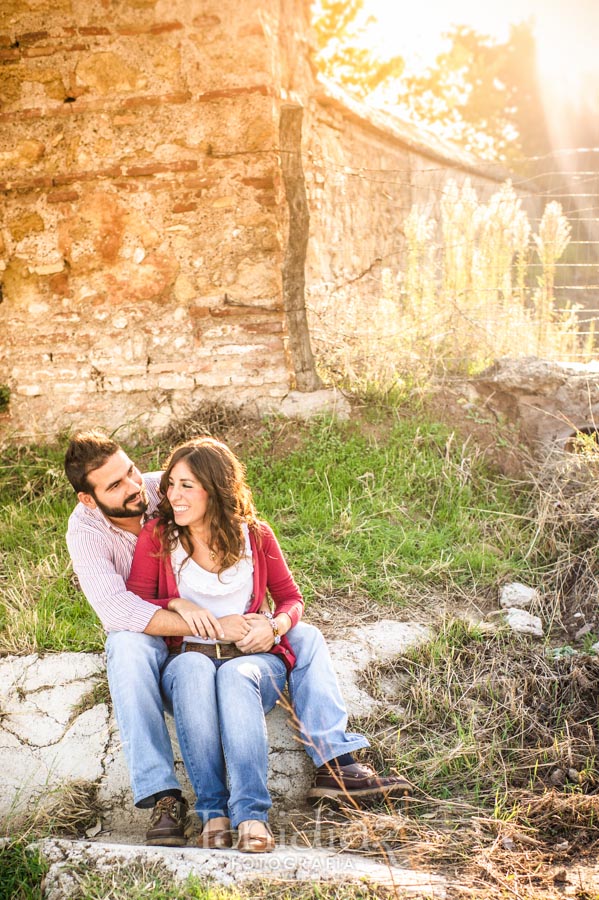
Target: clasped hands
x,y
251,633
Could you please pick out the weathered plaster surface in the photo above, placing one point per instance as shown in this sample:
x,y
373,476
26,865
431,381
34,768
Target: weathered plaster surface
x,y
290,863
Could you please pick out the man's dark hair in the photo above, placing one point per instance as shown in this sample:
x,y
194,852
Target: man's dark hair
x,y
87,451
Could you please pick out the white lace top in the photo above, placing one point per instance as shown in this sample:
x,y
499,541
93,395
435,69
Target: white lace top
x,y
223,595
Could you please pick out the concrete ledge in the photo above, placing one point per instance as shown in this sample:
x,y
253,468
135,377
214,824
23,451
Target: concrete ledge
x,y
53,731
69,860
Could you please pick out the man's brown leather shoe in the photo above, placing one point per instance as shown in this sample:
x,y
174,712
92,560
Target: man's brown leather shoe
x,y
167,823
356,782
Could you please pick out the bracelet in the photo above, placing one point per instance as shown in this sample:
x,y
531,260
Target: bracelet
x,y
274,626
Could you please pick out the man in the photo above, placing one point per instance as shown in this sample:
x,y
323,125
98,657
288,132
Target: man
x,y
114,501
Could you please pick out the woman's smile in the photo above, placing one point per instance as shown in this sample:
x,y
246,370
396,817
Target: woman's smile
x,y
186,495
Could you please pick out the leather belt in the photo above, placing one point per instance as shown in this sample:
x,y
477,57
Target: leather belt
x,y
213,651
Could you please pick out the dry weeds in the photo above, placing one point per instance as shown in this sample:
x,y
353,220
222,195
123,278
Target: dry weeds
x,y
70,809
567,516
501,742
218,420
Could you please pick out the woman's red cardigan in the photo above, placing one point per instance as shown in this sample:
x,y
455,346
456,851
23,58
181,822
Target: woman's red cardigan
x,y
152,578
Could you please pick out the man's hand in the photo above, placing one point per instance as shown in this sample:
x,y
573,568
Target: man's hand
x,y
260,638
202,623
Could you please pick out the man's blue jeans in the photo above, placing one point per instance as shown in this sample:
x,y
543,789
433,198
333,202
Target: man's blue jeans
x,y
318,707
135,663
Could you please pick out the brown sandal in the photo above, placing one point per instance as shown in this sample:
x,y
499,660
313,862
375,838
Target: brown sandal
x,y
251,840
217,837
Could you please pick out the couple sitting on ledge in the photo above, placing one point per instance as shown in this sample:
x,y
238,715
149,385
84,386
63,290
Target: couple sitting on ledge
x,y
177,566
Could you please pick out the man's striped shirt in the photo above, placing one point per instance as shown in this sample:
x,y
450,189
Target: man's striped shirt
x,y
102,555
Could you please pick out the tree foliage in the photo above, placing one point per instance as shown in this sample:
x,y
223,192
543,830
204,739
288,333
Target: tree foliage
x,y
342,54
480,93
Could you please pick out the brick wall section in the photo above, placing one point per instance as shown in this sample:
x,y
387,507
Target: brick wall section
x,y
141,238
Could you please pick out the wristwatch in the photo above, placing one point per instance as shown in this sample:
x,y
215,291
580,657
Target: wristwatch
x,y
273,625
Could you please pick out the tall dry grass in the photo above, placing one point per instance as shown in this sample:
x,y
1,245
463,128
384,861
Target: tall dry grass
x,y
475,283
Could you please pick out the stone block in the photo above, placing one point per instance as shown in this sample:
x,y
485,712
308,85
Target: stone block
x,y
44,741
92,236
24,225
292,861
175,381
107,73
26,154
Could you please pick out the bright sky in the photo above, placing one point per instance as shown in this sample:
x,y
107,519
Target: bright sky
x,y
567,31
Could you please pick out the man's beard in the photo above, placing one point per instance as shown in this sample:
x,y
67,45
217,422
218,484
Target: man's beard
x,y
126,511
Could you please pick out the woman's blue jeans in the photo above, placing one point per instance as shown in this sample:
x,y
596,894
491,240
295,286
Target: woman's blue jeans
x,y
219,708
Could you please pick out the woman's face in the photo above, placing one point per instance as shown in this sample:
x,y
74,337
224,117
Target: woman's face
x,y
186,495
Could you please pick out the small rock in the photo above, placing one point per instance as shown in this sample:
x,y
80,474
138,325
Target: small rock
x,y
517,595
561,877
563,845
94,830
523,622
508,844
595,648
574,776
307,404
557,777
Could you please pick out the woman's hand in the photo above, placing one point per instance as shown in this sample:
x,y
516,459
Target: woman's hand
x,y
202,623
235,628
260,637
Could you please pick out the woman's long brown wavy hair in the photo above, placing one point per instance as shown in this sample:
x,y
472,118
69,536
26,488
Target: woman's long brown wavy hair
x,y
229,504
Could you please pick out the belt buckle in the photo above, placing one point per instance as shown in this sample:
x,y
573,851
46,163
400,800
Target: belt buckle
x,y
218,656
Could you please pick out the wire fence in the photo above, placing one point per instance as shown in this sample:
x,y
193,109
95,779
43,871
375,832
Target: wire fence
x,y
471,275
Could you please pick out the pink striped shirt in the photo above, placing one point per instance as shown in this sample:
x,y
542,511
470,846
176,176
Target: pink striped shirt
x,y
102,555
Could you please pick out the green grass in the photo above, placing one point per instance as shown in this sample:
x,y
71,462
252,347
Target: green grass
x,y
360,510
378,515
41,606
22,869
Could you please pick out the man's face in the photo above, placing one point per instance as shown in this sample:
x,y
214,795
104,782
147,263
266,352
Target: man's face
x,y
117,488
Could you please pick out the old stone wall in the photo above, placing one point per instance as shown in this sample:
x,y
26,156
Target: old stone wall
x,y
171,172
143,208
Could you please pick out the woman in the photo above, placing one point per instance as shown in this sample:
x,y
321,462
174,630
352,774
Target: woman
x,y
214,559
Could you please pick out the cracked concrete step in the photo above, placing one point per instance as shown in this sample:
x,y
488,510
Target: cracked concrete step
x,y
71,861
53,730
